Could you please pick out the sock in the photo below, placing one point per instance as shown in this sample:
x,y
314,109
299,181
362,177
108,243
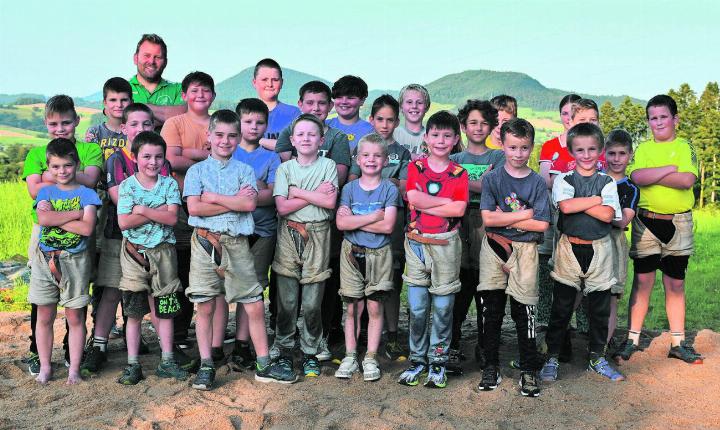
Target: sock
x,y
677,337
262,362
370,354
100,342
241,345
207,362
217,350
133,359
167,356
392,336
634,337
352,354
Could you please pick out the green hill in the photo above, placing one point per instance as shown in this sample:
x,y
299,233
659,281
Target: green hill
x,y
456,88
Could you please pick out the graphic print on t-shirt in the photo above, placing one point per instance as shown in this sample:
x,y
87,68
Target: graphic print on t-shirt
x,y
515,204
364,208
55,237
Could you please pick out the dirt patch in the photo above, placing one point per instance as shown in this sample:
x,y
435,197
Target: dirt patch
x,y
659,393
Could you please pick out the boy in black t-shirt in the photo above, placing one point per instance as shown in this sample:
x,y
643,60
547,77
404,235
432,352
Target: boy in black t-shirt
x,y
588,203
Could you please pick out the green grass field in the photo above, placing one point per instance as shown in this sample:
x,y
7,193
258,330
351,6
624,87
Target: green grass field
x,y
27,112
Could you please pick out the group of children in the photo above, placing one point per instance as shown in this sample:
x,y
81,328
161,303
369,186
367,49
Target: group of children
x,y
271,189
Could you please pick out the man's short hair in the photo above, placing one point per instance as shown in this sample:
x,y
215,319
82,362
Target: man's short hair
x,y
414,87
385,100
505,103
443,120
570,98
486,109
308,117
155,40
315,87
583,104
662,100
619,137
375,139
147,138
585,129
224,116
269,63
117,85
518,127
200,78
252,105
60,104
136,107
350,86
62,148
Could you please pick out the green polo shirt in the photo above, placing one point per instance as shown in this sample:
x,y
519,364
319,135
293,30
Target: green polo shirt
x,y
165,94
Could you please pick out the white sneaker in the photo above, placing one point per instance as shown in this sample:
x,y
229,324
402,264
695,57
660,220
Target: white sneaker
x,y
323,351
348,366
371,369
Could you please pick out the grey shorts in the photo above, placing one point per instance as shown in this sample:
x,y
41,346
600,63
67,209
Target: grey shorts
x,y
312,264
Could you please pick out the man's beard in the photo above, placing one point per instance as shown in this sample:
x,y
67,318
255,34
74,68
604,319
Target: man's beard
x,y
153,79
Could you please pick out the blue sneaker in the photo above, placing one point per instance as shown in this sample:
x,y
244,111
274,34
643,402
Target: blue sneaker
x,y
549,371
602,367
280,371
436,378
411,376
311,366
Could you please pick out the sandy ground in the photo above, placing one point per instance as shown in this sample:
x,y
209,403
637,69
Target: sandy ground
x,y
659,393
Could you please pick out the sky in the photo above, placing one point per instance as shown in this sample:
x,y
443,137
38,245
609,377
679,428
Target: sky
x,y
640,48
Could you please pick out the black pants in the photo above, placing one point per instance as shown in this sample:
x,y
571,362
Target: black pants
x,y
331,303
463,299
524,318
184,318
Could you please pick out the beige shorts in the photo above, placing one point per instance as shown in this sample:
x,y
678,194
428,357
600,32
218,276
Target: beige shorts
x,y
378,272
440,271
109,271
472,234
161,280
644,243
263,251
72,292
237,263
310,267
599,276
522,281
620,259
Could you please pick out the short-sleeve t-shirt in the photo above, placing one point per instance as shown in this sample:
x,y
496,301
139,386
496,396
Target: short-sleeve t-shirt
x,y
265,164
55,238
224,178
291,173
660,198
476,165
363,202
165,94
560,159
182,131
398,160
451,183
413,142
511,194
132,193
110,141
335,146
280,117
354,131
570,185
119,167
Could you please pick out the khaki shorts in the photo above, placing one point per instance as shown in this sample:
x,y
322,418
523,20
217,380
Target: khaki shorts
x,y
240,280
599,276
620,259
378,272
644,243
310,267
161,280
522,281
263,251
472,234
72,292
441,270
108,268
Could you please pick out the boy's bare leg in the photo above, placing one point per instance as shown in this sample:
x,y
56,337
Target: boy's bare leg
x,y
612,320
204,319
375,324
255,314
106,311
392,303
675,307
76,322
354,310
242,330
44,334
132,336
219,321
164,328
639,302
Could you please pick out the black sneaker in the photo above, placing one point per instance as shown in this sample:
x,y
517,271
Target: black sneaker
x,y
394,351
93,361
171,369
453,365
33,362
132,374
241,359
184,361
218,356
205,378
279,371
625,350
529,386
490,379
686,353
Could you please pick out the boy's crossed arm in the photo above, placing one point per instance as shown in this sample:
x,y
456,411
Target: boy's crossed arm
x,y
437,206
80,221
664,175
592,206
324,196
141,215
521,220
211,204
382,221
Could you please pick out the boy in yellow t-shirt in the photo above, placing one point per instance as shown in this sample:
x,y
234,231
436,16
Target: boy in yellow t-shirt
x,y
665,168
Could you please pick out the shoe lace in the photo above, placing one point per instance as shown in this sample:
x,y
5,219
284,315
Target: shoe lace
x,y
688,347
529,380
